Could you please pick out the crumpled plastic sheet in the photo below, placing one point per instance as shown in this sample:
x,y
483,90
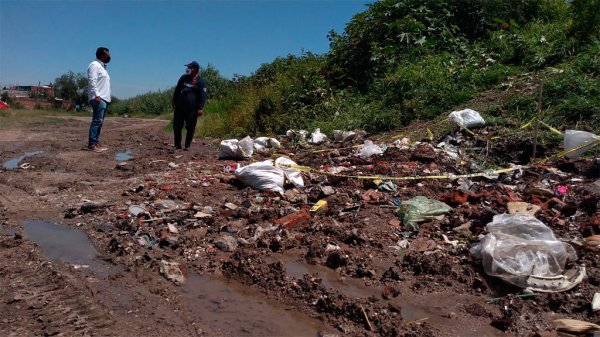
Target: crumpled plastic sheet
x,y
519,246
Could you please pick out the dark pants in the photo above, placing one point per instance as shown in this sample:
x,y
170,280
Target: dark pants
x,y
189,117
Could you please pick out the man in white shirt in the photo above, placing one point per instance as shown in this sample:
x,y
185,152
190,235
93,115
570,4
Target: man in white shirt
x,y
99,96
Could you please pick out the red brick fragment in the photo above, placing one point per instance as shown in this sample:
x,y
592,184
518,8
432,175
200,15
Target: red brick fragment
x,y
293,220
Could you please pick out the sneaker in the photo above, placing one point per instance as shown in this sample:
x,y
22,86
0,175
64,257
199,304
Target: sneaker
x,y
96,148
104,148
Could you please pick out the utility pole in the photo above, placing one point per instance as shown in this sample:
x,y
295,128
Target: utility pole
x,y
37,95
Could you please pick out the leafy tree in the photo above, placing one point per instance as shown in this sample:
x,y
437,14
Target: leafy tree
x,y
585,19
391,32
218,86
5,97
72,87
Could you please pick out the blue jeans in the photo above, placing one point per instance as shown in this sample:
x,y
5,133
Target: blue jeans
x,y
100,109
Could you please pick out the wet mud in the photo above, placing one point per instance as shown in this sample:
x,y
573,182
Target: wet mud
x,y
143,240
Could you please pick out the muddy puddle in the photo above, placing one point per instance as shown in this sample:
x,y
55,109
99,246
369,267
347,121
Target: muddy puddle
x,y
65,244
124,155
14,163
435,309
330,279
230,309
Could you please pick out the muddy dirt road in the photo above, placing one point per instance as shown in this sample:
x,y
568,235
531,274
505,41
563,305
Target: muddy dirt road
x,y
144,241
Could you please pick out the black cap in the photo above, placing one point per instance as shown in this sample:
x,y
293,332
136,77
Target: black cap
x,y
193,65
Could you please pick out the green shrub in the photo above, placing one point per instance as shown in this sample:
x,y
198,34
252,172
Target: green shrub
x,y
535,46
585,20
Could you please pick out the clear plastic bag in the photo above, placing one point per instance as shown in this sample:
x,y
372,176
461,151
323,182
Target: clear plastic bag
x,y
368,149
519,246
317,137
575,138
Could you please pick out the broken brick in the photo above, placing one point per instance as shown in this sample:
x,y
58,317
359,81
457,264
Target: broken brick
x,y
293,220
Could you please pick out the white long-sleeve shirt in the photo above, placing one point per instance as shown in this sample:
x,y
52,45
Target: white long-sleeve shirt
x,y
99,81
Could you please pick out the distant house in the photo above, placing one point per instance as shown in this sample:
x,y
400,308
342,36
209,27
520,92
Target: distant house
x,y
31,96
46,91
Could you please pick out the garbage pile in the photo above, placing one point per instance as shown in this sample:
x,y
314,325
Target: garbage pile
x,y
403,199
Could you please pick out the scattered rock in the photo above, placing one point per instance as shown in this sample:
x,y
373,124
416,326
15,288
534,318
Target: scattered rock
x,y
226,243
523,208
91,207
231,206
327,190
172,271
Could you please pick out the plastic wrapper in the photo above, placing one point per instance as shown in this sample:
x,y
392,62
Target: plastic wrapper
x,y
419,209
369,149
519,246
317,137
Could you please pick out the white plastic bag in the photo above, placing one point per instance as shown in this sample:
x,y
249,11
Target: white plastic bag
x,y
262,176
228,148
575,138
262,143
467,118
519,246
274,143
293,175
368,149
246,147
266,176
317,137
344,136
299,135
234,149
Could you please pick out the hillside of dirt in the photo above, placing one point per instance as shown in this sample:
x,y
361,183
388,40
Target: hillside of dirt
x,y
143,240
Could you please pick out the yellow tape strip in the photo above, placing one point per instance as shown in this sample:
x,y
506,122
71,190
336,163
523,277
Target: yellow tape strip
x,y
445,176
526,125
430,134
551,128
590,144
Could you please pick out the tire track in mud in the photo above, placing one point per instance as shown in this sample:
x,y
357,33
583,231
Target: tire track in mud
x,y
42,299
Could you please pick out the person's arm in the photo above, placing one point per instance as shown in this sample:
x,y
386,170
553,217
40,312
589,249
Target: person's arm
x,y
177,91
93,74
203,96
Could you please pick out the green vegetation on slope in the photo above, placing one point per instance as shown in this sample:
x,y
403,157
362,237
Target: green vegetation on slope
x,y
403,60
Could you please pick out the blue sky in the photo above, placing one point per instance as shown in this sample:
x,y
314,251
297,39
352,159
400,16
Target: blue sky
x,y
150,41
